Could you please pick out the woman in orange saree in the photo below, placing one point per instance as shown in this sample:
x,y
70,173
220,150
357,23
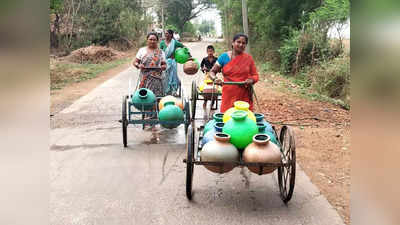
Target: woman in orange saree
x,y
236,66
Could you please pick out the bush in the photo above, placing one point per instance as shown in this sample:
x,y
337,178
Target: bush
x,y
332,78
288,52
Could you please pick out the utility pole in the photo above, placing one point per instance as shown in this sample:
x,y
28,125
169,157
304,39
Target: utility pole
x,y
162,18
245,23
227,35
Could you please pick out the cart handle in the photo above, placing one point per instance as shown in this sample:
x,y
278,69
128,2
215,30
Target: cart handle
x,y
152,68
233,83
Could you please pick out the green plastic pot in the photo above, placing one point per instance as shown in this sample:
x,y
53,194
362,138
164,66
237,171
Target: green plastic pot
x,y
197,62
143,99
171,115
181,55
241,129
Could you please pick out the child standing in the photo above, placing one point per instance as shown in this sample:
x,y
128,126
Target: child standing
x,y
206,64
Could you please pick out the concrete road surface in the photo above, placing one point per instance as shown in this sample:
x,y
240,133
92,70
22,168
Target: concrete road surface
x,y
95,181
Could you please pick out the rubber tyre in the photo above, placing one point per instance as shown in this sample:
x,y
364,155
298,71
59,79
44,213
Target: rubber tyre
x,y
189,162
124,121
287,174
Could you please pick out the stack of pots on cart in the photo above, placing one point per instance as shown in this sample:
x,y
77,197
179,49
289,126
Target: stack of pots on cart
x,y
171,108
238,132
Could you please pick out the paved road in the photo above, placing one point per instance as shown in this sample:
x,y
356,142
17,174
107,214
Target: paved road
x,y
94,180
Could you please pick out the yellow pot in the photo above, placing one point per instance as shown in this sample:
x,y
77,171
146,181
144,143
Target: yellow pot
x,y
239,105
168,98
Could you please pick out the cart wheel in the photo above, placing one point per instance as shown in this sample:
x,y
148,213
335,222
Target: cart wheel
x,y
124,121
287,174
187,114
189,162
194,99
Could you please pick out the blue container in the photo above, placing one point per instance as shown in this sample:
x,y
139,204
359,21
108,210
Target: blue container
x,y
217,117
262,129
259,117
209,136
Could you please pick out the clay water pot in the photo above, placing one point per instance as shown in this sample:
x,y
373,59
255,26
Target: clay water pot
x,y
262,130
217,117
143,99
191,67
241,129
219,150
209,136
239,105
262,150
170,115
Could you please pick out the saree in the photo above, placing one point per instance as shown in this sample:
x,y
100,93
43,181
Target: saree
x,y
238,69
172,82
152,79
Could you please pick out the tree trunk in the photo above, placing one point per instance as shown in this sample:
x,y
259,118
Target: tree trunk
x,y
54,42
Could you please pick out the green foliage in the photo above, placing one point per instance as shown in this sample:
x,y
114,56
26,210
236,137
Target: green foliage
x,y
98,21
288,51
273,19
231,15
189,28
220,48
332,78
179,12
62,74
206,26
55,6
311,45
114,19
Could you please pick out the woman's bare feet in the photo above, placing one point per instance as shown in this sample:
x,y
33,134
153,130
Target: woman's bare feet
x,y
155,134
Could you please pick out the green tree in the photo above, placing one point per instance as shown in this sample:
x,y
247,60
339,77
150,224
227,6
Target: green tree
x,y
206,26
55,10
79,23
179,12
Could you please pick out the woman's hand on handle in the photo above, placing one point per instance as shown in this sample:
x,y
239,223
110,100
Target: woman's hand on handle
x,y
214,70
249,81
218,81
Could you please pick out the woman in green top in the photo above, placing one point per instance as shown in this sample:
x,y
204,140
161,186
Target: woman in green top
x,y
169,45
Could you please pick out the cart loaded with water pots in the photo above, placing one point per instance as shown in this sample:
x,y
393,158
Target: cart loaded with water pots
x,y
240,137
143,107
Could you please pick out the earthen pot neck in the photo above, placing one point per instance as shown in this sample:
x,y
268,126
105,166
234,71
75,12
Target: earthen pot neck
x,y
261,139
222,137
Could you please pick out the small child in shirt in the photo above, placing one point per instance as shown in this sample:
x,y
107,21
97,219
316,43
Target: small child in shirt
x,y
206,64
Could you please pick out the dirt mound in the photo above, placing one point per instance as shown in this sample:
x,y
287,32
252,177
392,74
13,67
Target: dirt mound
x,y
94,54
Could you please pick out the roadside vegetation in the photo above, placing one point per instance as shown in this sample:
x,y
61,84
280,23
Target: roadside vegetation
x,y
290,39
64,73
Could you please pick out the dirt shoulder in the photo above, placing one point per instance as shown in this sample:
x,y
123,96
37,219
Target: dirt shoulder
x,y
64,97
322,132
